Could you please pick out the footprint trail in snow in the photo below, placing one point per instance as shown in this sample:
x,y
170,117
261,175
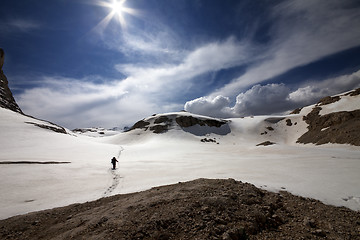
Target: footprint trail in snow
x,y
115,177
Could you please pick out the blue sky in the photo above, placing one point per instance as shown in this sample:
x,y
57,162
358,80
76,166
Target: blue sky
x,y
68,62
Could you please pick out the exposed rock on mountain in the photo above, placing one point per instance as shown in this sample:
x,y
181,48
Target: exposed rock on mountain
x,y
334,119
7,101
188,121
296,111
2,58
162,123
354,93
328,100
6,98
341,127
266,143
49,126
96,132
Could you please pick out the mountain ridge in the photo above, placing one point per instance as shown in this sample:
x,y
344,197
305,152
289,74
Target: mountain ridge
x,y
341,125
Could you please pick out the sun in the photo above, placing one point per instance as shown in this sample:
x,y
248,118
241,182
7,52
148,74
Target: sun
x,y
117,10
118,7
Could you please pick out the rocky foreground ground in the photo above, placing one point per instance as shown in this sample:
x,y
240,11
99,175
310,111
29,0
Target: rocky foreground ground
x,y
200,209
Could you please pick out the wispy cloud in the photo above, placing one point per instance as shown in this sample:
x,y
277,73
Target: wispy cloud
x,y
145,90
19,25
85,102
151,41
211,57
159,69
302,32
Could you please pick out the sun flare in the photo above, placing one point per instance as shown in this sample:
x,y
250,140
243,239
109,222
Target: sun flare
x,y
118,7
117,11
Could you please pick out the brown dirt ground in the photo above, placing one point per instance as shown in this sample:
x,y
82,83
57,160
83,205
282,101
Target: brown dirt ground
x,y
200,209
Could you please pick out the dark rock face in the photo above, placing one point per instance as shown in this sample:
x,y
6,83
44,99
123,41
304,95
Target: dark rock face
x,y
296,111
339,127
328,100
162,119
270,128
6,98
266,143
162,124
159,128
288,122
54,128
140,124
2,58
188,121
208,140
354,93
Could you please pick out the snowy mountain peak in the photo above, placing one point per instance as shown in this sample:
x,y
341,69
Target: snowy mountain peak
x,y
334,119
192,123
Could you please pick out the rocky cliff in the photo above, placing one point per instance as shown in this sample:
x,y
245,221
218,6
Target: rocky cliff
x,y
6,98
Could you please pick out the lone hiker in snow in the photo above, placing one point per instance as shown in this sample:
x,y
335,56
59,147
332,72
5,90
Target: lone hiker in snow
x,y
113,161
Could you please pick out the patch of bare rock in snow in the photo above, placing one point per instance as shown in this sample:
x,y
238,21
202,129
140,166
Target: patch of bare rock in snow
x,y
342,127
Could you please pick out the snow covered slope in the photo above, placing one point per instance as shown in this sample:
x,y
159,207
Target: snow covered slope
x,y
43,169
162,149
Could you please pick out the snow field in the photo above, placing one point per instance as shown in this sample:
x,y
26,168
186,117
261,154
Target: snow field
x,y
329,173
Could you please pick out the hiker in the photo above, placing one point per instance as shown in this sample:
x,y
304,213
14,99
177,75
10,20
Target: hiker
x,y
113,161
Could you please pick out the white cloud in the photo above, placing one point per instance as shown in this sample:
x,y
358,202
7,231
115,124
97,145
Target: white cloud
x,y
73,102
211,57
19,25
146,90
259,100
86,103
164,71
217,106
313,91
273,98
305,94
153,41
149,43
303,31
